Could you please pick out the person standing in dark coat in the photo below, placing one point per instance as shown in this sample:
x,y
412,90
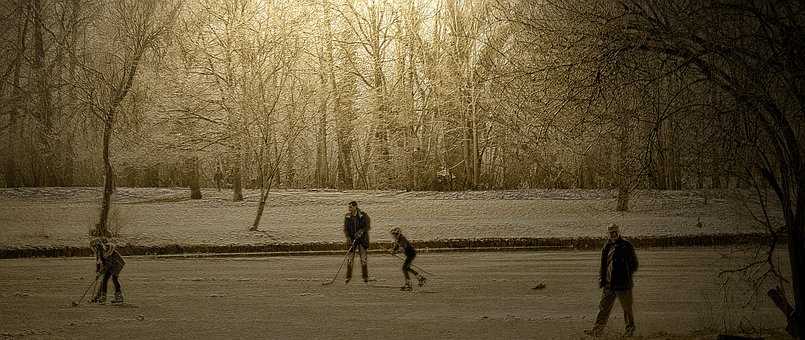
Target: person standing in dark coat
x,y
356,230
618,265
109,263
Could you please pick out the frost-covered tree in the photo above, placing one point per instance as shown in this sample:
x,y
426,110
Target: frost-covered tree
x,y
122,36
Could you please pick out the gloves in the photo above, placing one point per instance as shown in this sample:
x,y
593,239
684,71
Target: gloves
x,y
359,234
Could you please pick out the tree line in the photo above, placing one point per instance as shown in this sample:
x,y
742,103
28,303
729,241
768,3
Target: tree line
x,y
417,95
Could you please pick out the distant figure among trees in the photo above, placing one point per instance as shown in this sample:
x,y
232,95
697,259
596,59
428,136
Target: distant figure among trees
x,y
219,177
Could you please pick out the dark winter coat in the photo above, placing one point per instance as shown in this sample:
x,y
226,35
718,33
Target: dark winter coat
x,y
107,257
357,227
403,244
624,264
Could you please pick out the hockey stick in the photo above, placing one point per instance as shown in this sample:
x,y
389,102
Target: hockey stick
x,y
342,264
412,265
76,303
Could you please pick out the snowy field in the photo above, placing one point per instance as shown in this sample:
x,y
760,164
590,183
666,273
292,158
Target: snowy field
x,y
678,295
53,217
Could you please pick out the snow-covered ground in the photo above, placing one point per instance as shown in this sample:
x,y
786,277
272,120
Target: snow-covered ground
x,y
48,217
677,295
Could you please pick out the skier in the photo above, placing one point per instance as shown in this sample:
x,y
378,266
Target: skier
x,y
109,263
401,243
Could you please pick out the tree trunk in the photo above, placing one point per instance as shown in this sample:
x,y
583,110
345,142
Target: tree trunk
x,y
796,255
662,160
345,115
195,187
476,159
467,159
623,196
290,173
322,165
261,206
237,187
46,171
67,176
102,228
675,163
624,171
383,167
10,164
345,178
10,168
381,138
716,169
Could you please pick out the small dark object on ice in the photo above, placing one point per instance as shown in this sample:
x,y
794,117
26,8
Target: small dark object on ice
x,y
74,304
541,285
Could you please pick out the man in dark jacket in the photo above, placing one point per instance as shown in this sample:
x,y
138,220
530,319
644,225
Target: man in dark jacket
x,y
356,230
618,264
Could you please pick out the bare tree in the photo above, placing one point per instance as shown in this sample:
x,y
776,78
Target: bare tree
x,y
125,32
751,52
10,89
222,26
271,90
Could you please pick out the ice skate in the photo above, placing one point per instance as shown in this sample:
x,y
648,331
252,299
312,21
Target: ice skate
x,y
629,333
407,286
421,280
99,299
118,298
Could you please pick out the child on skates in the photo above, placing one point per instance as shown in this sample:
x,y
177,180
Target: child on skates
x,y
401,243
108,263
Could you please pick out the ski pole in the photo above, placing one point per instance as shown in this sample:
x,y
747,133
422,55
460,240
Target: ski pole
x,y
412,265
342,264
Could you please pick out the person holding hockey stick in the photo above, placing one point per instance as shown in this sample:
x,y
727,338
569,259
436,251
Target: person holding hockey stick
x,y
356,230
108,263
401,243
